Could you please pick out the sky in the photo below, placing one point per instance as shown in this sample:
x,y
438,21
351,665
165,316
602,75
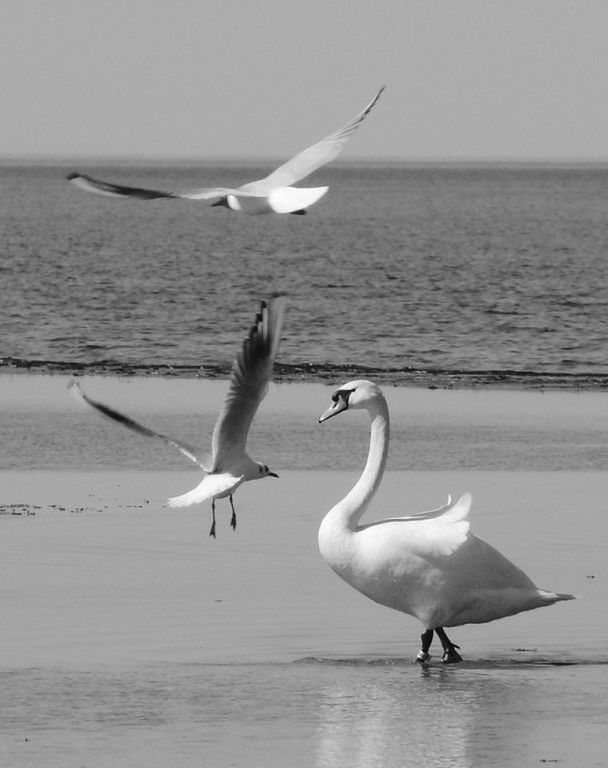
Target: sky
x,y
205,79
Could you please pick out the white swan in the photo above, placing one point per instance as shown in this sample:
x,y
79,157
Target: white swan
x,y
229,464
272,194
428,565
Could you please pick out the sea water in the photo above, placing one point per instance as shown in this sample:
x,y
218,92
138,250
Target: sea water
x,y
400,267
141,645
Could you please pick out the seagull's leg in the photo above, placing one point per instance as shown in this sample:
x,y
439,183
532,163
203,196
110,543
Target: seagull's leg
x,y
212,531
423,654
450,654
233,518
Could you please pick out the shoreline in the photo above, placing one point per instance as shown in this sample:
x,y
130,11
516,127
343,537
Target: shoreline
x,y
315,373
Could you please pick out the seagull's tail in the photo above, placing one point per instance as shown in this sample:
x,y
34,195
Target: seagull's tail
x,y
213,486
187,499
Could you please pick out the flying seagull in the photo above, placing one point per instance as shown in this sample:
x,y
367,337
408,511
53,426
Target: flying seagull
x,y
228,465
273,194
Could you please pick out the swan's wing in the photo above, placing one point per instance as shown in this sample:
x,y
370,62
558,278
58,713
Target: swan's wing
x,y
251,372
304,163
439,532
188,451
89,184
448,512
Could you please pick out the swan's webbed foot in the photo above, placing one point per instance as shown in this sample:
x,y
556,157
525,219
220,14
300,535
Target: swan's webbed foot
x,y
233,518
424,656
450,654
212,531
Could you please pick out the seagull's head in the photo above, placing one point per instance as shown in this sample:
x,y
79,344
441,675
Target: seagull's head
x,y
354,394
265,471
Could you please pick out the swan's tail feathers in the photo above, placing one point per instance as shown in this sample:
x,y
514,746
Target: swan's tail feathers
x,y
555,597
214,486
188,451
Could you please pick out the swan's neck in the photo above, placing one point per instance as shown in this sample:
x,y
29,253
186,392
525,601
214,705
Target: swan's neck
x,y
349,511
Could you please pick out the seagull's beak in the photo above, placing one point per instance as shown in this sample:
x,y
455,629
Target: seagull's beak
x,y
339,406
272,474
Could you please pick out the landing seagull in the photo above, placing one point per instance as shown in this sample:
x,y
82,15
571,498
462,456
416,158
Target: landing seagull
x,y
228,465
273,194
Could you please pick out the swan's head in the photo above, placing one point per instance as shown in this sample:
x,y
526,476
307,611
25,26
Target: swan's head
x,y
354,394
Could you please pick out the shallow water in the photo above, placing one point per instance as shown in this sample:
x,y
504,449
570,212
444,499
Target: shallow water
x,y
130,638
308,714
41,426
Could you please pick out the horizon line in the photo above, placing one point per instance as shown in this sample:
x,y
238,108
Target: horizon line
x,y
109,159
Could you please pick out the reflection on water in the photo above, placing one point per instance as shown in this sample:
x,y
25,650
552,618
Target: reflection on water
x,y
452,717
427,718
305,715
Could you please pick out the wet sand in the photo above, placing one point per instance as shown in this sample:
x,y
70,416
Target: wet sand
x,y
129,637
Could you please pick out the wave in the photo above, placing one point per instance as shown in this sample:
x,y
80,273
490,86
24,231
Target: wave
x,y
427,377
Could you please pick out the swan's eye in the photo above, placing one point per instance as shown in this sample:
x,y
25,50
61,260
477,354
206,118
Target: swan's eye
x,y
341,394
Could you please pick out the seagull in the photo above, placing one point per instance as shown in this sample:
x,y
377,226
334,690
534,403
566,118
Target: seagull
x,y
228,465
429,565
273,194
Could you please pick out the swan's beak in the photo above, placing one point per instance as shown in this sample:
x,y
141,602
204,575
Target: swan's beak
x,y
337,407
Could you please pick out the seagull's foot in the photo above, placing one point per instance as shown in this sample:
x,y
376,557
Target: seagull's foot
x,y
233,518
423,657
451,655
212,530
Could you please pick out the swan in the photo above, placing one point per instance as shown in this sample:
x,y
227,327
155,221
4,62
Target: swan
x,y
228,465
272,194
429,565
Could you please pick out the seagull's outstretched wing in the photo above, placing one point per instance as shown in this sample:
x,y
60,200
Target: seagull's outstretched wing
x,y
251,372
187,450
89,184
304,163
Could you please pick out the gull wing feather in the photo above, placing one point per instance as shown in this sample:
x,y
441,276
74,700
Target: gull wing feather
x,y
187,450
251,373
109,189
308,160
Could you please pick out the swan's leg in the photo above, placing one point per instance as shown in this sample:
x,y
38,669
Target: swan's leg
x,y
423,654
233,518
450,654
212,531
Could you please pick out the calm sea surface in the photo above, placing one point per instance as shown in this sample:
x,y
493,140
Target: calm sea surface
x,y
446,268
